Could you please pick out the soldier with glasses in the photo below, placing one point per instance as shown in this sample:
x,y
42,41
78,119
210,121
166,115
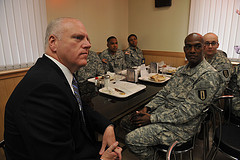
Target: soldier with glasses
x,y
217,58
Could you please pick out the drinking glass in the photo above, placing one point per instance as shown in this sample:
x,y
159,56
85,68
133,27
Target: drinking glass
x,y
117,75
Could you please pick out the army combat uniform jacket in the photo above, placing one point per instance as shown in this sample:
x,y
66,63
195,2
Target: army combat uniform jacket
x,y
93,68
234,85
224,67
133,56
179,104
175,111
114,62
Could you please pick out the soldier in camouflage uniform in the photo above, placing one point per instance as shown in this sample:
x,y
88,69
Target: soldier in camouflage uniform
x,y
175,111
113,59
93,68
217,58
133,54
234,85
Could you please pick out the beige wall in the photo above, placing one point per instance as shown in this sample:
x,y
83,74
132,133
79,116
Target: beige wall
x,y
161,29
102,18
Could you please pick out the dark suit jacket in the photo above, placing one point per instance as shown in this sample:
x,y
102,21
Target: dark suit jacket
x,y
43,120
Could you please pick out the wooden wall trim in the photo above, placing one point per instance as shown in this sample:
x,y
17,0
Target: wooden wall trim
x,y
164,53
13,73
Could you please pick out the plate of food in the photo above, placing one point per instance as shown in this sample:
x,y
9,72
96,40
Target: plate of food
x,y
168,69
155,78
122,89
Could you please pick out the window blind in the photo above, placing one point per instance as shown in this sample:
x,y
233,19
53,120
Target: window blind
x,y
22,31
219,17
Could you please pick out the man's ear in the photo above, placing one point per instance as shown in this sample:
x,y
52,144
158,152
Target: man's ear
x,y
204,47
52,41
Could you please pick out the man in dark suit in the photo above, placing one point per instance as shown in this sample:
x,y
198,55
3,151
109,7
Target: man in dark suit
x,y
44,117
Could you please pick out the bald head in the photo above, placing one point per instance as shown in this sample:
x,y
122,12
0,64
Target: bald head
x,y
210,45
195,36
210,35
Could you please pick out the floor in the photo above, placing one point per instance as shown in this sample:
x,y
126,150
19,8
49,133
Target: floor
x,y
197,152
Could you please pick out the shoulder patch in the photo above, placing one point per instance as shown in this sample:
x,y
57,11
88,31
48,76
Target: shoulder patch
x,y
202,92
225,73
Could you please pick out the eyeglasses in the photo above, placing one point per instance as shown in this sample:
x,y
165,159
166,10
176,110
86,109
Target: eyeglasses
x,y
196,46
213,43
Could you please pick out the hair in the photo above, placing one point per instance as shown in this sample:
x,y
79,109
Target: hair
x,y
111,37
55,28
131,36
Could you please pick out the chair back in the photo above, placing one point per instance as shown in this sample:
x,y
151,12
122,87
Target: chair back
x,y
170,150
2,149
225,134
2,144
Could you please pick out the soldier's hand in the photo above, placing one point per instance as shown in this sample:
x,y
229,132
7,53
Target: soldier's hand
x,y
144,110
141,119
104,60
127,52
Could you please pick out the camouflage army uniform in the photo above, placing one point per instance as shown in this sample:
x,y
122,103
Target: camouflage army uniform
x,y
134,57
234,85
224,67
114,62
93,68
175,110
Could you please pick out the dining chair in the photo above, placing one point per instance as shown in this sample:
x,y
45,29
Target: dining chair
x,y
179,148
2,147
170,150
184,147
2,144
225,134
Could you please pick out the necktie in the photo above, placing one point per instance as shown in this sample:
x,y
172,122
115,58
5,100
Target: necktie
x,y
77,95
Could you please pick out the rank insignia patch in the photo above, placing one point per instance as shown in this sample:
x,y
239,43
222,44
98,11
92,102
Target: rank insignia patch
x,y
202,94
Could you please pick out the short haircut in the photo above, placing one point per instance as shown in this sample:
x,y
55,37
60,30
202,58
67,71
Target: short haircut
x,y
210,33
131,36
55,28
191,35
111,37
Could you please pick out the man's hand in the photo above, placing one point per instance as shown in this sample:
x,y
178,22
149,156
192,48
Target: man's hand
x,y
108,138
140,118
113,152
104,60
127,52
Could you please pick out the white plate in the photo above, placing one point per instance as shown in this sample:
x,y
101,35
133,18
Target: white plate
x,y
126,87
147,78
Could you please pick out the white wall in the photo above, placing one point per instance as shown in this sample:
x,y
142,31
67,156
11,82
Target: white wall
x,y
161,29
102,18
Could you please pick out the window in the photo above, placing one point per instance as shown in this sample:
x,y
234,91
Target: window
x,y
22,29
219,17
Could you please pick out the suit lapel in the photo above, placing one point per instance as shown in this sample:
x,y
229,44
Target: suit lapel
x,y
69,90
